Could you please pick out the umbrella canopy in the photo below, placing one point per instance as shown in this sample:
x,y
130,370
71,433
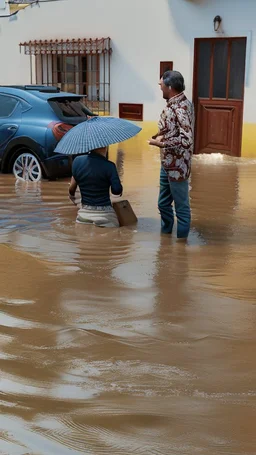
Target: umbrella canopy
x,y
95,133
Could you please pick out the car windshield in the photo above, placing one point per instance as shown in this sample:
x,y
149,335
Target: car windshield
x,y
69,107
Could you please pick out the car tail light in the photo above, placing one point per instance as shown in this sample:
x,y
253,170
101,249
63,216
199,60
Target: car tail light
x,y
59,129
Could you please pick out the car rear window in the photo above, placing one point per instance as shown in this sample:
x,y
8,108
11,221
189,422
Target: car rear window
x,y
70,108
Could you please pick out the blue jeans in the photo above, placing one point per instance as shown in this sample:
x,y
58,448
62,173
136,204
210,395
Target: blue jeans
x,y
177,192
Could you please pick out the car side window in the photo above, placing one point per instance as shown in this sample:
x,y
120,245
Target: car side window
x,y
7,105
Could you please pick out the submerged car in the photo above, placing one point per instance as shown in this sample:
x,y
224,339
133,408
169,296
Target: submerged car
x,y
33,119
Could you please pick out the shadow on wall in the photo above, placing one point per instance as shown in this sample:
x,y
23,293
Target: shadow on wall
x,y
184,15
135,84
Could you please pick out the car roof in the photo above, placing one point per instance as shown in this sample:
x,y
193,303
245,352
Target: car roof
x,y
42,93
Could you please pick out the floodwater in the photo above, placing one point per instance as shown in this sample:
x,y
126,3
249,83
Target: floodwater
x,y
125,341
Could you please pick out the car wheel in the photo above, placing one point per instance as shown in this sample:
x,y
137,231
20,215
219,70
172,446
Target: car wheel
x,y
27,167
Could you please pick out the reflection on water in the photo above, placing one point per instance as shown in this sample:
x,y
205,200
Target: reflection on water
x,y
126,341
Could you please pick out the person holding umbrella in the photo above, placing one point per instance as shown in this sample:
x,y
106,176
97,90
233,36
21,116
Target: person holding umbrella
x,y
92,172
95,176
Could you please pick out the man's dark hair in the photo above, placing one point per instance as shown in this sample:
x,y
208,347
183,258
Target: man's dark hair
x,y
174,80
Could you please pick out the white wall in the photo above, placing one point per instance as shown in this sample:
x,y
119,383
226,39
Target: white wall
x,y
4,8
143,33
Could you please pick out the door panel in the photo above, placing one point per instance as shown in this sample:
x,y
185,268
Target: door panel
x,y
7,131
219,70
10,116
217,127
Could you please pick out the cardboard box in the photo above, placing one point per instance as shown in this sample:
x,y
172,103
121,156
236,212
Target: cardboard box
x,y
125,213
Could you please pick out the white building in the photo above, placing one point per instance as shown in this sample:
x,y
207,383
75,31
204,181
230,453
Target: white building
x,y
142,38
4,8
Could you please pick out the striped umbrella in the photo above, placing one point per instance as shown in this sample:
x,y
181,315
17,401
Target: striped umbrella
x,y
95,133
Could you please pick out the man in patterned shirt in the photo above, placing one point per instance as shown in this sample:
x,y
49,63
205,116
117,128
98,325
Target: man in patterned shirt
x,y
175,139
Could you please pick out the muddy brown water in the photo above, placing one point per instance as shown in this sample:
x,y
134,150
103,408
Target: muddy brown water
x,y
126,341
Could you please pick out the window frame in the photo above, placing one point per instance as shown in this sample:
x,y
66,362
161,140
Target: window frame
x,y
131,115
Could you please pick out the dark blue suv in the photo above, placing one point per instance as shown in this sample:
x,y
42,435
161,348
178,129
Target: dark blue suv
x,y
32,121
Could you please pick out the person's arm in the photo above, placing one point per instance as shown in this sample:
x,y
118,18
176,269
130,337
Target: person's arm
x,y
72,187
115,184
72,190
157,142
171,140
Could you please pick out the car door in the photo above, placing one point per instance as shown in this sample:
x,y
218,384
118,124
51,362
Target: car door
x,y
10,118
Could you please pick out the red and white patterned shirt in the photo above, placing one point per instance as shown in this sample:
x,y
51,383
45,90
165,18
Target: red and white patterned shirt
x,y
176,125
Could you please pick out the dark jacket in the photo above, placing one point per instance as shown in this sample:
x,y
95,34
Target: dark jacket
x,y
95,176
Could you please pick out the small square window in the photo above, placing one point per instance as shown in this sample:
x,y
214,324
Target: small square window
x,y
131,111
165,66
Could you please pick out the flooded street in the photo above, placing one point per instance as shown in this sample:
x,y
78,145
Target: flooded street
x,y
124,341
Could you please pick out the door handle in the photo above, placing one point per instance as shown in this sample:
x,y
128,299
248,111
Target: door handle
x,y
11,128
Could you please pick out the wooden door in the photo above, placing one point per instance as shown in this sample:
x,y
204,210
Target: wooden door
x,y
219,70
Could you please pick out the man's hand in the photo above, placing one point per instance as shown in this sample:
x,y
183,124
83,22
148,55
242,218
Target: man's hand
x,y
156,142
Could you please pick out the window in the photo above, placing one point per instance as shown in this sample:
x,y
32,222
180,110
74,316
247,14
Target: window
x,y
237,69
165,66
69,107
7,105
76,74
220,68
76,66
131,111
